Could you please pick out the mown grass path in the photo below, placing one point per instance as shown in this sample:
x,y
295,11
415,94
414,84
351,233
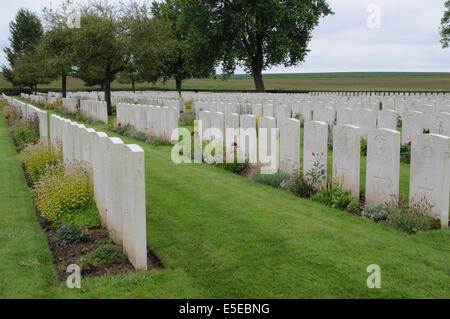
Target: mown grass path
x,y
224,236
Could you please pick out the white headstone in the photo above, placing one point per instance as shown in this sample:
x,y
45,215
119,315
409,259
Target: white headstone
x,y
387,119
289,145
346,157
412,125
315,146
441,124
134,216
383,166
430,173
247,138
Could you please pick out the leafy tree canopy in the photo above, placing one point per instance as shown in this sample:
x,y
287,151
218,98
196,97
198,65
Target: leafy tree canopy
x,y
26,30
445,26
253,34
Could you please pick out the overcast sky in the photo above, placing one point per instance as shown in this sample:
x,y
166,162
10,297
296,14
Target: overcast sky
x,y
407,38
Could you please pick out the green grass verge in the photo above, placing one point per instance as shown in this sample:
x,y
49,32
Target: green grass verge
x,y
25,260
224,236
26,266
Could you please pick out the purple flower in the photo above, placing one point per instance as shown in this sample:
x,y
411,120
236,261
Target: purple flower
x,y
63,241
62,223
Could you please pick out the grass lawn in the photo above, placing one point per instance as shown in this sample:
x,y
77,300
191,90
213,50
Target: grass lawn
x,y
224,236
404,168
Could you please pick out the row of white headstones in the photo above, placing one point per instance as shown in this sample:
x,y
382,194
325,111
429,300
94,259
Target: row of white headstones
x,y
27,110
95,110
429,169
155,121
118,172
382,166
414,122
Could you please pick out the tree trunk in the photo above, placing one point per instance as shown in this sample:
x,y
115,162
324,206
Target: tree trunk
x,y
108,79
108,95
259,82
64,85
257,65
257,73
178,81
35,89
133,83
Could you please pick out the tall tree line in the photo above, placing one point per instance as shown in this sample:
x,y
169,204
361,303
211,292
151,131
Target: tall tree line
x,y
146,42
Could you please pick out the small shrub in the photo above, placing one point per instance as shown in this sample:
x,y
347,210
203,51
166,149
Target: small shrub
x,y
86,217
12,116
104,255
158,141
405,153
138,135
26,132
411,222
376,213
334,197
413,216
187,119
354,207
363,146
235,167
37,157
275,180
141,136
62,189
122,129
69,234
316,174
299,185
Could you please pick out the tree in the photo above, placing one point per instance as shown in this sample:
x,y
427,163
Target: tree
x,y
149,44
445,26
26,30
100,46
130,75
253,34
59,43
30,68
175,64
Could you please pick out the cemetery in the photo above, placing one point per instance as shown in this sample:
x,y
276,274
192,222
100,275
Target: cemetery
x,y
356,183
200,195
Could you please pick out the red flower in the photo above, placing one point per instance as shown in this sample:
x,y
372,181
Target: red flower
x,y
409,143
234,144
313,154
118,124
7,117
192,133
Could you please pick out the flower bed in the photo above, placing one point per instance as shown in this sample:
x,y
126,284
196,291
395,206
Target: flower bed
x,y
65,208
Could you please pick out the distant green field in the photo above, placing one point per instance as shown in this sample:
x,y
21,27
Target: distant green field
x,y
339,81
335,75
